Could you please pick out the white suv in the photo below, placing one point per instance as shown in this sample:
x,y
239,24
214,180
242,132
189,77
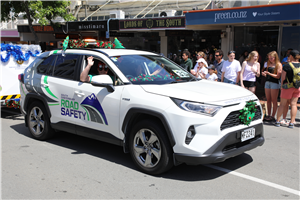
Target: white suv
x,y
159,113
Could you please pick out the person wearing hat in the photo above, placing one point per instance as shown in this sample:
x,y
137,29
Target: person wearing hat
x,y
211,76
291,93
200,70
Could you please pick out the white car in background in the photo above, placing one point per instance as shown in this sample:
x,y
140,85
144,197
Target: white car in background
x,y
159,113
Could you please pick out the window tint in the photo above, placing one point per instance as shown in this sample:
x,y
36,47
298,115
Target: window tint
x,y
65,66
46,67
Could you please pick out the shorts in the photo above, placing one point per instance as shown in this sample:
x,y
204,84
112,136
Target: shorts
x,y
271,85
249,84
289,93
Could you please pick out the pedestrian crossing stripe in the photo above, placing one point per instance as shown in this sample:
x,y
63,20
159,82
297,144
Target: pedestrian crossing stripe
x,y
8,97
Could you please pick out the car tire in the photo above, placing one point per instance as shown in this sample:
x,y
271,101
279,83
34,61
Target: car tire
x,y
149,148
38,121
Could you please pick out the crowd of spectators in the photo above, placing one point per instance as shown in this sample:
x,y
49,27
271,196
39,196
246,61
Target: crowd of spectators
x,y
277,78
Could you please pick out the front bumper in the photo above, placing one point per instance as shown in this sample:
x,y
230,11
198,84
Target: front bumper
x,y
228,146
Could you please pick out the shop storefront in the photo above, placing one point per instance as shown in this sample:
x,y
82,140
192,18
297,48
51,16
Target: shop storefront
x,y
10,36
265,28
150,34
51,38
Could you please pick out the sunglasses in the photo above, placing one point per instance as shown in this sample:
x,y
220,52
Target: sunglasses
x,y
101,67
217,55
230,52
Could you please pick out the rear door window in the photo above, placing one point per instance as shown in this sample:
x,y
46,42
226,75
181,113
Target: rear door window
x,y
65,66
46,66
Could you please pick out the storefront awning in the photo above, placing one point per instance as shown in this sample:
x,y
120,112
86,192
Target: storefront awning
x,y
265,13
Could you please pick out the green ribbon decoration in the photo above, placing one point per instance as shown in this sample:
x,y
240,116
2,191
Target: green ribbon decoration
x,y
248,112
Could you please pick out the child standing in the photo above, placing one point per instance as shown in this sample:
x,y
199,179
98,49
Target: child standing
x,y
211,75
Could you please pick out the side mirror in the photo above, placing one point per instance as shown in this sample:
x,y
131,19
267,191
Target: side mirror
x,y
103,81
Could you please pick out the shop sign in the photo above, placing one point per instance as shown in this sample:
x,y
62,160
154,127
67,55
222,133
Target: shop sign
x,y
89,25
43,28
288,11
154,23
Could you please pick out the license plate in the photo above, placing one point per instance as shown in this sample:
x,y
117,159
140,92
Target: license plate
x,y
247,134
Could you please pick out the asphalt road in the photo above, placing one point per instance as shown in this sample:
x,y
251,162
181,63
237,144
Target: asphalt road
x,y
73,167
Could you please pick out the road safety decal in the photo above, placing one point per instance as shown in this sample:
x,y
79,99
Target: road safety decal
x,y
92,109
93,106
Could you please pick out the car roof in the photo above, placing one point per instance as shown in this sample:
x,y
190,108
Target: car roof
x,y
114,52
121,52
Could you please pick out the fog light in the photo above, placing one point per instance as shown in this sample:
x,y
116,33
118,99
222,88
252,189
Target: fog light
x,y
190,135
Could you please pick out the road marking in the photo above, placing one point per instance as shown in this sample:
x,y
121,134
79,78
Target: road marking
x,y
274,185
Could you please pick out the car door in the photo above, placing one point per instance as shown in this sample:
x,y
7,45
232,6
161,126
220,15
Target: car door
x,y
100,107
59,87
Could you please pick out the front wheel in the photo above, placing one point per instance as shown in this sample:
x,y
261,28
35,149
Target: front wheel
x,y
150,148
39,122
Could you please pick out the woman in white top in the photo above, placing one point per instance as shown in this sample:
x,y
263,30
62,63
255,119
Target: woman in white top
x,y
231,69
250,70
200,70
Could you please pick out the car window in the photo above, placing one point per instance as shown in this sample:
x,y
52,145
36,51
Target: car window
x,y
46,66
99,62
65,66
150,69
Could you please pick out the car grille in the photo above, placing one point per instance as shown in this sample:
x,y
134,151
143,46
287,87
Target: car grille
x,y
233,119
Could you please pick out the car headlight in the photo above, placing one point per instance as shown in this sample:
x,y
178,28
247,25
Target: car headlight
x,y
200,108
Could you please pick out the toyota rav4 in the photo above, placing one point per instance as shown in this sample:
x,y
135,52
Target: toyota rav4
x,y
161,114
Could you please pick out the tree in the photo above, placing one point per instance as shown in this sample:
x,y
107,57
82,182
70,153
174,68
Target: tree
x,y
43,11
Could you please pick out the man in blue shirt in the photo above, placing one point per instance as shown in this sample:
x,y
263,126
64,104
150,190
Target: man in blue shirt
x,y
218,63
285,60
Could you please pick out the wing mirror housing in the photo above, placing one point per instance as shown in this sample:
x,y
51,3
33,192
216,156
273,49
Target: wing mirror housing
x,y
103,81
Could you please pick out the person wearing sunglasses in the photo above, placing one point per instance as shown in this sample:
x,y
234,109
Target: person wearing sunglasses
x,y
199,55
218,63
231,69
101,69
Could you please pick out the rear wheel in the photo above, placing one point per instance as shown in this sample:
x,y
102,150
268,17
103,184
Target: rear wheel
x,y
39,122
150,148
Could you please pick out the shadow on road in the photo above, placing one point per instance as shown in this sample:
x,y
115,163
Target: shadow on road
x,y
113,153
11,113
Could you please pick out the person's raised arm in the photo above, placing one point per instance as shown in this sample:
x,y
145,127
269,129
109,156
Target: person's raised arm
x,y
84,76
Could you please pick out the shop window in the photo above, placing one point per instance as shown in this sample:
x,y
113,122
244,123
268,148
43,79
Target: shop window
x,y
290,39
263,39
94,18
65,66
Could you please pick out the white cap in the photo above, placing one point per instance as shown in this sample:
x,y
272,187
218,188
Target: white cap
x,y
203,61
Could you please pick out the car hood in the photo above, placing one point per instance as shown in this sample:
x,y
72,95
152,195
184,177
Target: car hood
x,y
203,91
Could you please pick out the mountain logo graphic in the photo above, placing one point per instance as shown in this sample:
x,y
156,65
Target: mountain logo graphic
x,y
94,109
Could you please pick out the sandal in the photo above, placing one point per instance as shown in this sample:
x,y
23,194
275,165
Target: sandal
x,y
272,119
284,122
267,118
291,125
277,124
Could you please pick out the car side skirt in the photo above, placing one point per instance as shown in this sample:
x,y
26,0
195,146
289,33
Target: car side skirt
x,y
87,132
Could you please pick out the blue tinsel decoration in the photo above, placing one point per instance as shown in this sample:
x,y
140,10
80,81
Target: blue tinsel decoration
x,y
16,52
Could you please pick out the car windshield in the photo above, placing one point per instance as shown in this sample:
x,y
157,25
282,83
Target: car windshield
x,y
151,69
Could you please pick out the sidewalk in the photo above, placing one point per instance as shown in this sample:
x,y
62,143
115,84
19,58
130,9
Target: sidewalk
x,y
260,93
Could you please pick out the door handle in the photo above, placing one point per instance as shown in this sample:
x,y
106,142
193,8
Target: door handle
x,y
79,93
45,85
